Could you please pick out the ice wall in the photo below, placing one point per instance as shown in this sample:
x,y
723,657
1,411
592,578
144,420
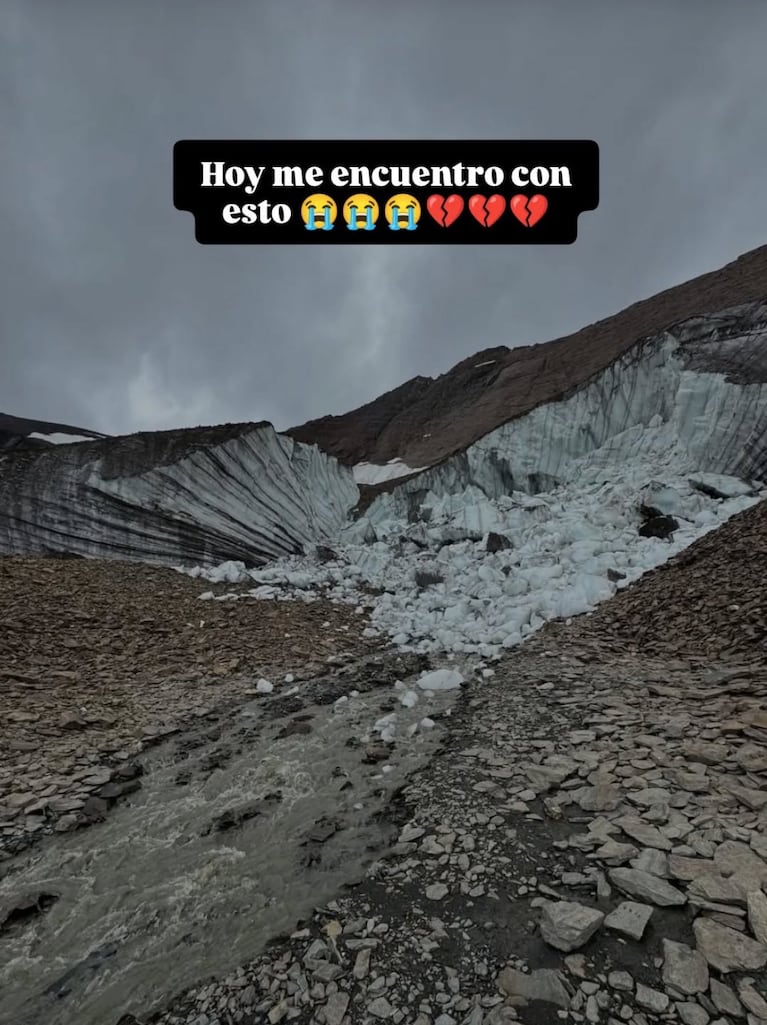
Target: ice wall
x,y
693,399
175,497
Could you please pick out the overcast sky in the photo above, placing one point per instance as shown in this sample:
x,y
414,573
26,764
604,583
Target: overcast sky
x,y
111,315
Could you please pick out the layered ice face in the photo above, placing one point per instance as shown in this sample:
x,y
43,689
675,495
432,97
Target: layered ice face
x,y
252,496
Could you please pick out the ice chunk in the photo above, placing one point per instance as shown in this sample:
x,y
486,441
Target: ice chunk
x,y
441,679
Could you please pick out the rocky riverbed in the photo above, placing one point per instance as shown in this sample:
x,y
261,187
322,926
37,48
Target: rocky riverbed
x,y
593,848
577,834
100,660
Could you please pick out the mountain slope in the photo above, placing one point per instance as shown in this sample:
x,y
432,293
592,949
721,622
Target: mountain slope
x,y
665,402
447,414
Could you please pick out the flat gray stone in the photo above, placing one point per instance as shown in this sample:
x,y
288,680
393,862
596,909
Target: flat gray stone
x,y
728,950
692,1014
724,999
545,777
718,890
688,869
650,796
646,886
707,753
749,796
621,980
757,914
335,1008
630,919
567,926
616,853
684,968
436,891
759,844
653,861
738,860
380,1008
604,797
752,758
693,782
752,1000
645,834
651,999
65,804
544,984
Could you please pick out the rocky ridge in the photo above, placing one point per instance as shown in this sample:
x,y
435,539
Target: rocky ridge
x,y
15,432
666,402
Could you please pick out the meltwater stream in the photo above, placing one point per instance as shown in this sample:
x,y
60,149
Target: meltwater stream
x,y
167,892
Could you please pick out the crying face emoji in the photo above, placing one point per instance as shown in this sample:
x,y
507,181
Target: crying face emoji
x,y
360,212
402,212
319,212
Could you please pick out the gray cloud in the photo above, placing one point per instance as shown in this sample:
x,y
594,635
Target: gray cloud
x,y
111,315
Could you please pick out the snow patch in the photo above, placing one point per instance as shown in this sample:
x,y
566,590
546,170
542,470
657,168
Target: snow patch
x,y
374,473
59,439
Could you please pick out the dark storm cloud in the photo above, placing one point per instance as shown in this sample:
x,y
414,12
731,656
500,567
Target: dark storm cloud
x,y
112,317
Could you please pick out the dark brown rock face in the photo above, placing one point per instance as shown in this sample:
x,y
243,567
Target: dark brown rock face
x,y
497,385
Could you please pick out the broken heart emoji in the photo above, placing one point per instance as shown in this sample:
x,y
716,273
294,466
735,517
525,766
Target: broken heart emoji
x,y
444,211
529,210
487,210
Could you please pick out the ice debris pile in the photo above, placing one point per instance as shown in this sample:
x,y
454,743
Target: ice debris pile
x,y
544,516
476,575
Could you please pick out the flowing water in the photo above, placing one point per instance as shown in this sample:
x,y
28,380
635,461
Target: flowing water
x,y
158,897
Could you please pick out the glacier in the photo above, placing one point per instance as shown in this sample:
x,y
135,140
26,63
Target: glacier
x,y
659,402
194,497
677,425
